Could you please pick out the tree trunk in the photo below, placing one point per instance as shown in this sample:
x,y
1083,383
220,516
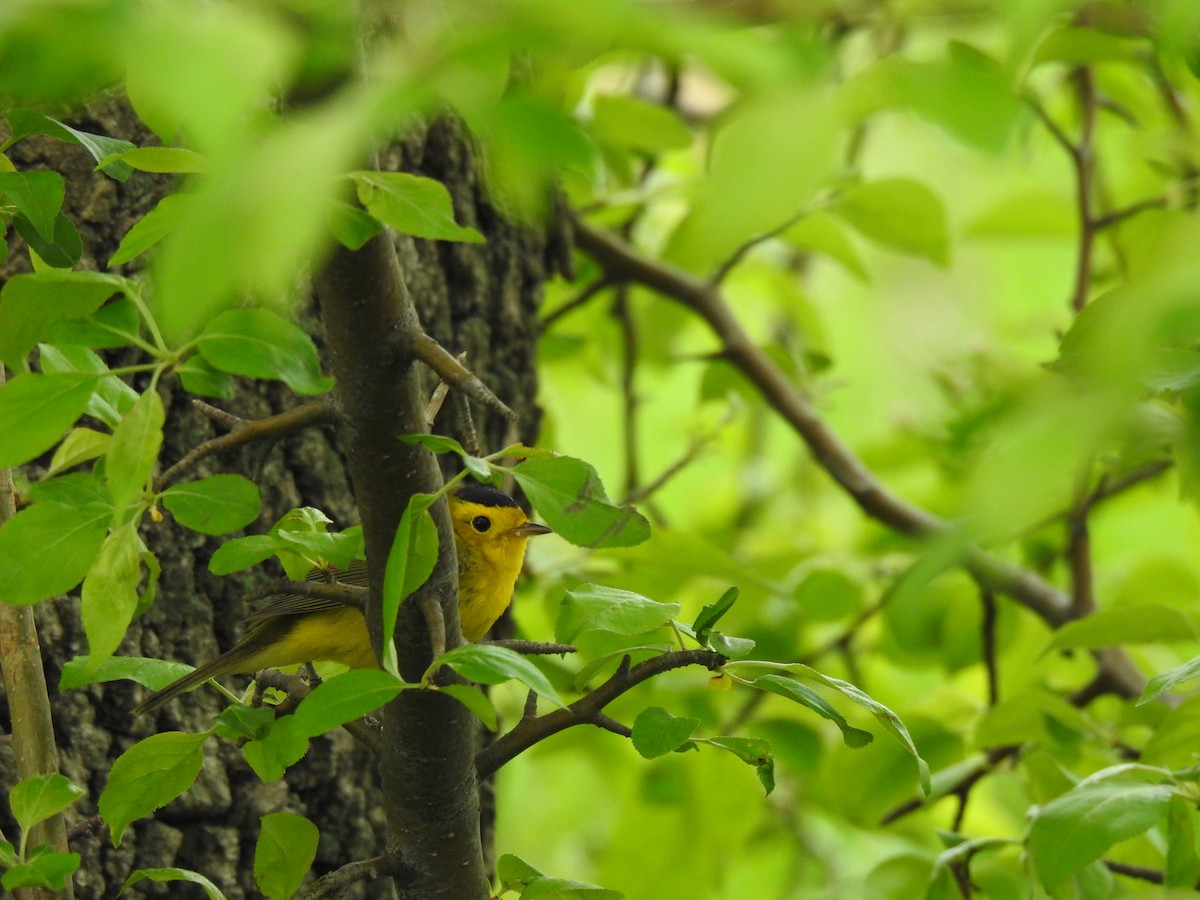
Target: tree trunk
x,y
481,299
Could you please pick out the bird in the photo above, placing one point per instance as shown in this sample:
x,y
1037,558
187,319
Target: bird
x,y
490,534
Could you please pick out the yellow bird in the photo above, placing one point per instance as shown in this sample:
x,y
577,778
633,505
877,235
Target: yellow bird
x,y
490,534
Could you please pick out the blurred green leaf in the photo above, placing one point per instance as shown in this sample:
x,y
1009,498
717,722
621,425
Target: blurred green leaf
x,y
80,445
1073,830
164,159
899,213
476,701
1183,864
634,124
1145,623
1169,680
517,875
351,226
1082,46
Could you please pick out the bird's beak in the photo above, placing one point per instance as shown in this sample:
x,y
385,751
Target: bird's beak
x,y
529,529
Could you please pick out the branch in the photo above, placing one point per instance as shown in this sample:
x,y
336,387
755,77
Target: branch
x,y
535,648
332,884
575,302
33,747
247,431
589,709
455,374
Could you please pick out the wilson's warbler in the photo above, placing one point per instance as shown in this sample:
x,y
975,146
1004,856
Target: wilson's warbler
x,y
490,534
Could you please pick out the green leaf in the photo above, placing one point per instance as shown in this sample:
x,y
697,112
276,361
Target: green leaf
x,y
260,344
31,304
1076,828
110,595
476,701
148,775
656,732
133,451
286,848
819,232
80,445
595,607
103,149
1164,681
806,696
155,674
752,751
410,563
731,647
173,874
889,720
271,755
214,505
1143,623
38,196
711,614
165,159
634,124
151,228
38,797
112,397
412,205
344,698
435,443
489,664
1183,864
68,535
241,722
36,410
43,868
900,213
62,250
1082,46
517,875
198,377
568,494
351,226
241,553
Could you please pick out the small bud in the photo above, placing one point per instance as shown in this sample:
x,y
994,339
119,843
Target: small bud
x,y
156,515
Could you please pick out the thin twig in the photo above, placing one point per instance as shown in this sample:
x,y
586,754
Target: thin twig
x,y
535,648
435,620
454,373
629,398
1141,873
695,447
248,431
590,291
1108,220
988,643
587,709
1085,170
340,879
739,254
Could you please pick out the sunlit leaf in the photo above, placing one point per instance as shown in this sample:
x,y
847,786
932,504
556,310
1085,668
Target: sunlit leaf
x,y
594,607
216,504
31,304
69,535
155,674
657,732
36,410
489,664
172,873
410,563
38,797
261,344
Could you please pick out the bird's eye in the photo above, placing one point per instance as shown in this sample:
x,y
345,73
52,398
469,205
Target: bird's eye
x,y
481,523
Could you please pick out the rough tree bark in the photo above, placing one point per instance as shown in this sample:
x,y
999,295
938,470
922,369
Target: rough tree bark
x,y
477,298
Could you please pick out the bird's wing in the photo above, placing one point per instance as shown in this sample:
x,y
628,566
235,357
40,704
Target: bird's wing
x,y
285,604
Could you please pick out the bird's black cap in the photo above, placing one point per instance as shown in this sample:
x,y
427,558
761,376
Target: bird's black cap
x,y
484,494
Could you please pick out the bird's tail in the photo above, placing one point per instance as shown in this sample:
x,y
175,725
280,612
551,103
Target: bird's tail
x,y
236,659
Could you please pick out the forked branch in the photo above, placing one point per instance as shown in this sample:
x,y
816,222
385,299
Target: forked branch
x,y
589,709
